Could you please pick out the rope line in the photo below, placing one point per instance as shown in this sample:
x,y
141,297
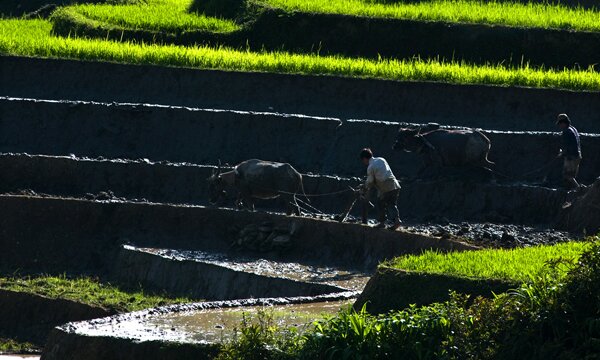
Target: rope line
x,y
313,195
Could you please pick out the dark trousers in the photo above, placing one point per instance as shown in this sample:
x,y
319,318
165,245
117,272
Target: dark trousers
x,y
388,201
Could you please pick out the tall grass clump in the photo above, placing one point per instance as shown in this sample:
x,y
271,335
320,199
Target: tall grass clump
x,y
516,14
516,265
551,316
34,38
171,16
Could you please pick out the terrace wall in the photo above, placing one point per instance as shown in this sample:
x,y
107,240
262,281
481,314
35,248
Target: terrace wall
x,y
51,235
320,145
492,107
30,317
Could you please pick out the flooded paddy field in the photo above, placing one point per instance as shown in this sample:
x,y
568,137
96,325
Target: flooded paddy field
x,y
209,325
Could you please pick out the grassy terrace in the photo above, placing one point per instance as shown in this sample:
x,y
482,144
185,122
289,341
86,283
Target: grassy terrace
x,y
87,291
156,15
517,265
454,11
34,38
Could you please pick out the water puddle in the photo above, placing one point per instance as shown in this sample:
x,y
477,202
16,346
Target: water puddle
x,y
347,279
209,325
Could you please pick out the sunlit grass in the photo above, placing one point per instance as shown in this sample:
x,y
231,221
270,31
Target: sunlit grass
x,y
520,264
466,11
11,346
34,38
88,291
156,15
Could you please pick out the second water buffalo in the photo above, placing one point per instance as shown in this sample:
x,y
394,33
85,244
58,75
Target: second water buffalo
x,y
446,147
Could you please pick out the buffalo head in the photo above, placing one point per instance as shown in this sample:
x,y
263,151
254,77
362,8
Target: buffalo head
x,y
216,186
409,139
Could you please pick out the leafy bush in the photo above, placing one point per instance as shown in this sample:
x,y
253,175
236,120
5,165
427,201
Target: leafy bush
x,y
550,317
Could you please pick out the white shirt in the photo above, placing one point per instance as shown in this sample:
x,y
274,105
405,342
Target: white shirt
x,y
380,175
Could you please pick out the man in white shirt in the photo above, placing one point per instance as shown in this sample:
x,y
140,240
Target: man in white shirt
x,y
381,177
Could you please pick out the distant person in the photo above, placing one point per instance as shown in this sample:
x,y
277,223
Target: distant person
x,y
381,177
570,151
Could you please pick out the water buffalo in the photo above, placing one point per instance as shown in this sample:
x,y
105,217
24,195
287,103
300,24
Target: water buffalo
x,y
446,147
258,179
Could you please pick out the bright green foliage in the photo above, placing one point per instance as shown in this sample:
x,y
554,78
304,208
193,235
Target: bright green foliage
x,y
88,291
549,317
455,11
515,265
170,16
10,346
259,337
33,38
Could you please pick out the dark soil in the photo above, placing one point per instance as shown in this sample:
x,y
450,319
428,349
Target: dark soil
x,y
30,317
488,107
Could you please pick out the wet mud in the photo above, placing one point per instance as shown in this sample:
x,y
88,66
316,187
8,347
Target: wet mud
x,y
451,199
344,278
211,276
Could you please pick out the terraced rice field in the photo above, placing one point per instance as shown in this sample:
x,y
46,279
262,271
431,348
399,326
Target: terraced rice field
x,y
34,38
156,15
545,16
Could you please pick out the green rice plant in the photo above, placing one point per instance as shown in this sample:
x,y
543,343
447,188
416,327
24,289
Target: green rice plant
x,y
515,265
88,291
536,15
34,38
170,16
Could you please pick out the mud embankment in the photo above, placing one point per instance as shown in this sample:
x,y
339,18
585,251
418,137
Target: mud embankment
x,y
30,318
58,235
393,289
493,107
205,279
320,145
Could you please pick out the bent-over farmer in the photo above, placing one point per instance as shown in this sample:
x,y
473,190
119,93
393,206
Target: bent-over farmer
x,y
381,177
570,151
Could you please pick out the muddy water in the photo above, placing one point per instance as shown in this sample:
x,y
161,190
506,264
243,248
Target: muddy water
x,y
220,325
347,279
206,326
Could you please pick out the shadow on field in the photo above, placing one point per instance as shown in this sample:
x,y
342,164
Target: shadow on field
x,y
228,9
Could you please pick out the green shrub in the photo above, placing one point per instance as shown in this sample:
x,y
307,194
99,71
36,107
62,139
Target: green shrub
x,y
550,317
